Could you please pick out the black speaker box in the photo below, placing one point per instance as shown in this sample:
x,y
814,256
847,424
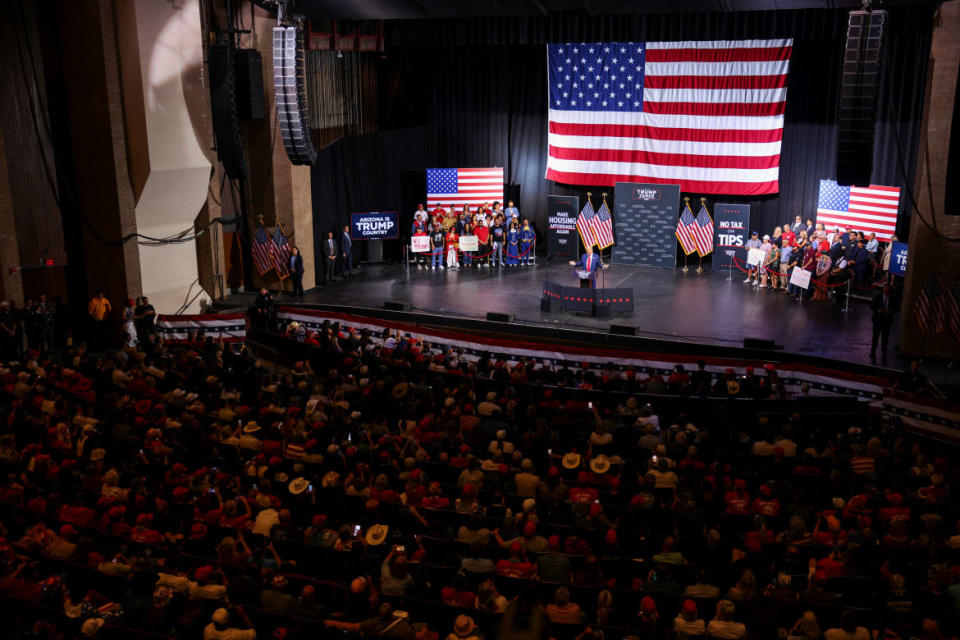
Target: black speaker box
x,y
601,310
223,102
249,79
393,305
500,317
623,330
859,86
758,343
545,304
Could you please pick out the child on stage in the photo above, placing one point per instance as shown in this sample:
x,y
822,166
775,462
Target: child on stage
x,y
513,246
527,238
453,246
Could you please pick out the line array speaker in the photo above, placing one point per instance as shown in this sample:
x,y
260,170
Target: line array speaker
x,y
223,103
499,317
249,78
393,305
623,330
290,94
859,86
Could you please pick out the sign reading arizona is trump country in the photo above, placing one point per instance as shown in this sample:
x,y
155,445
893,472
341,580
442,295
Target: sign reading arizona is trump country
x,y
374,225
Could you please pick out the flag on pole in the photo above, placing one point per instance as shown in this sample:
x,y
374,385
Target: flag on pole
x,y
602,226
703,231
281,252
953,308
929,308
585,224
262,251
683,234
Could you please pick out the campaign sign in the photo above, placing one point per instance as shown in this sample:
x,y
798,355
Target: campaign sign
x,y
374,225
468,243
563,240
420,244
800,278
731,230
755,257
898,259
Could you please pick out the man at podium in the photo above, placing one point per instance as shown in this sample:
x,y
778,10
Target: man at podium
x,y
586,269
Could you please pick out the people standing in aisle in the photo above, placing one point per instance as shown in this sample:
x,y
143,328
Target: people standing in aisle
x,y
129,328
263,309
752,243
329,258
498,235
884,307
47,323
346,247
453,247
436,246
527,240
99,311
482,231
296,272
513,246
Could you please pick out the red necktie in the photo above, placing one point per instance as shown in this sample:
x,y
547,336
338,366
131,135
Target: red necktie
x,y
588,263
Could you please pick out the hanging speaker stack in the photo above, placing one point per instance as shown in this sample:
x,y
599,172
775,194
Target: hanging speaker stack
x,y
859,86
290,88
223,103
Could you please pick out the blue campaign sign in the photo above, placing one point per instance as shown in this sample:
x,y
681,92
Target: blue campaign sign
x,y
898,259
374,225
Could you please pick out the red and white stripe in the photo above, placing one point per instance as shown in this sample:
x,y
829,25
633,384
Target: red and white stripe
x,y
872,209
712,122
231,326
703,238
474,187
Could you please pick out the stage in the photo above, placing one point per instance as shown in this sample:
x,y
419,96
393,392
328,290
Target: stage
x,y
670,305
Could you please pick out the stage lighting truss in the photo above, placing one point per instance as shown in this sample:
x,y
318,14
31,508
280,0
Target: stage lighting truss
x,y
290,88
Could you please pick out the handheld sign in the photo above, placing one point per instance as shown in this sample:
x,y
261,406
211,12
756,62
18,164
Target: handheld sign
x,y
800,278
468,243
420,244
898,258
755,257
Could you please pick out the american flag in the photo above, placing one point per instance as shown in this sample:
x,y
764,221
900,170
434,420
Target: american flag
x,y
683,234
929,308
585,224
262,251
458,187
602,226
702,231
281,252
953,308
870,209
707,115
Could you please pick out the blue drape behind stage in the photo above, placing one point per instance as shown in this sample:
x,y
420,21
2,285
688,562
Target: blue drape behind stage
x,y
473,93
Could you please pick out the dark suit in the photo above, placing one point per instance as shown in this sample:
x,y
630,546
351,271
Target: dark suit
x,y
296,272
589,263
345,245
883,306
329,259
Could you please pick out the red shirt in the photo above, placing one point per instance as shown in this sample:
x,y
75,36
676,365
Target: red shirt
x,y
582,495
738,504
515,569
482,234
788,238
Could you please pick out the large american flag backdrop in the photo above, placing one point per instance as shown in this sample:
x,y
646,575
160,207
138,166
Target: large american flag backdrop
x,y
458,187
707,115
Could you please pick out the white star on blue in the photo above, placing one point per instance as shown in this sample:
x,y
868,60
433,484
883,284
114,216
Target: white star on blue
x,y
833,196
619,96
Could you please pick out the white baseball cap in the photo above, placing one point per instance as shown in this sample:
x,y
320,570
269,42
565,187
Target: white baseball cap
x,y
766,237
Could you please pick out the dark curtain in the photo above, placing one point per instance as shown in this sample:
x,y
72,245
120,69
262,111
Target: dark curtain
x,y
479,89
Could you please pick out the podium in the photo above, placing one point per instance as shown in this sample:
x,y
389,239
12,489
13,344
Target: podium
x,y
586,282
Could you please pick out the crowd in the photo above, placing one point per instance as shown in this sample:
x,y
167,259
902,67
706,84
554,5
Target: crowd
x,y
502,239
833,257
383,486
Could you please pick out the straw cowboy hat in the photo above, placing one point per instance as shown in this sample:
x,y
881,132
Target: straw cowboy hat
x,y
298,485
600,464
377,534
571,460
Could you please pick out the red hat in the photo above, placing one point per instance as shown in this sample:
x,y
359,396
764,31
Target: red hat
x,y
583,547
202,574
820,576
583,477
198,530
739,484
647,605
749,369
553,472
178,467
595,510
766,491
179,492
529,529
469,490
416,474
67,531
516,547
144,519
502,469
689,607
636,500
553,542
611,536
116,512
464,448
274,461
318,520
142,406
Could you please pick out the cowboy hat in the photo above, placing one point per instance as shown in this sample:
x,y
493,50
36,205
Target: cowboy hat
x,y
376,534
330,479
464,626
571,460
600,464
298,485
251,427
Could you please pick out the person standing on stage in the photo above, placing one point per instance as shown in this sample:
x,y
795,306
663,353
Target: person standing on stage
x,y
769,257
752,243
296,272
449,219
453,246
527,238
797,225
99,311
513,246
329,258
467,255
788,260
589,263
511,212
346,244
788,237
420,257
437,238
438,213
883,306
482,231
498,235
887,252
420,218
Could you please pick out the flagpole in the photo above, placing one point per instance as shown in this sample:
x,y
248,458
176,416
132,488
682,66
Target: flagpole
x,y
603,272
686,256
703,203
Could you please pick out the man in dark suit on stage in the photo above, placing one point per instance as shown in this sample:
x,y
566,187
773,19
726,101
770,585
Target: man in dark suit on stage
x,y
346,244
329,258
296,272
883,306
589,263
